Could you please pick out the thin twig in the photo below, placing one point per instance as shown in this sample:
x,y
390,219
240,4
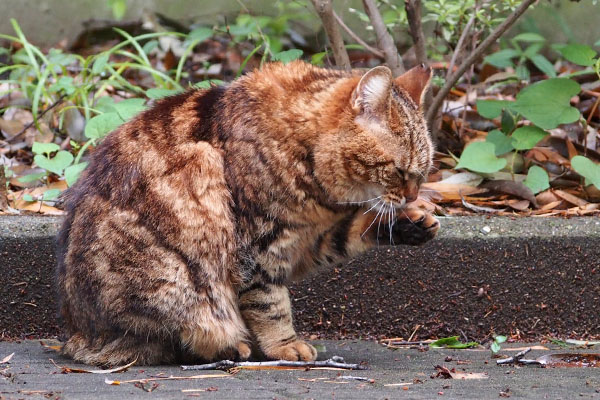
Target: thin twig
x,y
462,39
333,362
413,14
325,11
40,115
473,57
384,40
356,37
517,358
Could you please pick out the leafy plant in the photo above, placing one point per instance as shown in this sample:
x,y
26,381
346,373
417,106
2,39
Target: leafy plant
x,y
516,56
496,344
546,104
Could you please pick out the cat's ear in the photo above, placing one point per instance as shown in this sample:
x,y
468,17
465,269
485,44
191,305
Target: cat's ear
x,y
415,81
372,94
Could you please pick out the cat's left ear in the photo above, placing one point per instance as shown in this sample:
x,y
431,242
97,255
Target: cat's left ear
x,y
416,82
372,94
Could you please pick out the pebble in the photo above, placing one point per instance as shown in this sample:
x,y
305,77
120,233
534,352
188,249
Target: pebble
x,y
486,229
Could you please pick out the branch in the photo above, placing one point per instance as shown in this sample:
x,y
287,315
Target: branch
x,y
518,359
461,40
36,119
356,37
413,14
454,77
333,362
325,11
384,39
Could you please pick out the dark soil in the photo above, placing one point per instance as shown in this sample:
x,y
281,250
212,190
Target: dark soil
x,y
450,287
517,280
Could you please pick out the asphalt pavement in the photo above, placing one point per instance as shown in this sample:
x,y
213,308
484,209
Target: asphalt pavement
x,y
34,372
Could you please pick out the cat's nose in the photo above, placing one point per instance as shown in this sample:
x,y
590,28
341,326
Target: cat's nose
x,y
410,197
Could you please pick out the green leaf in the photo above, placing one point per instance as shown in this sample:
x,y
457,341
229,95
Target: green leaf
x,y
129,108
579,54
526,137
287,55
207,84
198,35
64,84
508,121
522,72
159,93
547,103
491,108
529,37
502,143
31,177
452,343
72,173
537,180
56,164
500,339
44,148
119,7
588,169
502,58
480,157
50,194
101,125
149,46
105,104
495,347
100,63
317,58
543,65
28,197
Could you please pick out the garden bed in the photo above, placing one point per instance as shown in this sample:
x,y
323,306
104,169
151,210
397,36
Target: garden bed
x,y
525,277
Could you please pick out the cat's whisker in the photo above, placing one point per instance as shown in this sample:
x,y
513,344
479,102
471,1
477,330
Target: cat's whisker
x,y
376,204
406,215
384,208
393,223
390,222
358,202
372,222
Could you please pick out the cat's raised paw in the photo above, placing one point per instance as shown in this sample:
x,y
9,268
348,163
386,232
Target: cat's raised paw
x,y
413,226
297,350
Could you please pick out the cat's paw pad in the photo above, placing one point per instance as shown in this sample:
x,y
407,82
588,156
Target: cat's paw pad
x,y
297,350
415,226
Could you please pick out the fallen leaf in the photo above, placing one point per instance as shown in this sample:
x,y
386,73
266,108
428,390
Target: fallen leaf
x,y
68,370
7,358
570,198
510,187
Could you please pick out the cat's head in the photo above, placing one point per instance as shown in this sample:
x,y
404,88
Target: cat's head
x,y
382,149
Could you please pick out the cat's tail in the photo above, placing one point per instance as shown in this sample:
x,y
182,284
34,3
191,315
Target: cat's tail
x,y
116,351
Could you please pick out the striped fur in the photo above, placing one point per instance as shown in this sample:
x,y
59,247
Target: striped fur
x,y
191,218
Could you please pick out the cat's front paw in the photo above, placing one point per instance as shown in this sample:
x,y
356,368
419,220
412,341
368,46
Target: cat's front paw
x,y
414,226
297,350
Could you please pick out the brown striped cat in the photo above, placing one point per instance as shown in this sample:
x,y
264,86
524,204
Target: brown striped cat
x,y
191,219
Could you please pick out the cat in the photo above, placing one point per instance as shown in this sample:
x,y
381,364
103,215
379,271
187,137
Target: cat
x,y
192,217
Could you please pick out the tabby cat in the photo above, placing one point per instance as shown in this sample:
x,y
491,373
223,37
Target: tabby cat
x,y
191,218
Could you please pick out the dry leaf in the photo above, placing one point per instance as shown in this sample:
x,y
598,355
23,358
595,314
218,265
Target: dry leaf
x,y
570,198
68,370
7,358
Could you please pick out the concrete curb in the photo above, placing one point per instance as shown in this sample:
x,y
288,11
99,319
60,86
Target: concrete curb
x,y
532,276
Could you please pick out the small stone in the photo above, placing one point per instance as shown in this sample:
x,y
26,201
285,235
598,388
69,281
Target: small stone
x,y
486,229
